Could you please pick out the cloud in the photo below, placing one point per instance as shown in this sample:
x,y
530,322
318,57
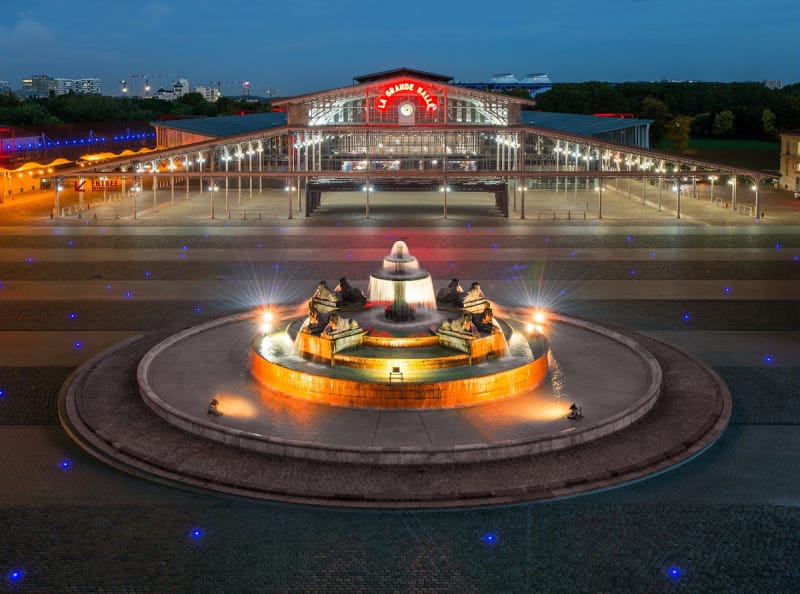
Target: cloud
x,y
26,33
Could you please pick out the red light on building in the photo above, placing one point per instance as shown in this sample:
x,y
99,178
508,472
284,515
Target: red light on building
x,y
621,116
405,88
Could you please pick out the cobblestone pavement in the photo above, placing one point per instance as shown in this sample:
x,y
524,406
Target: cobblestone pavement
x,y
727,521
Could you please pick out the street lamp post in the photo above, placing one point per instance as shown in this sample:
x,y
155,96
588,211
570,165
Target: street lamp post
x,y
226,158
575,179
600,203
755,189
628,162
171,168
712,179
186,164
558,154
239,156
135,190
250,166
211,189
200,161
260,151
57,206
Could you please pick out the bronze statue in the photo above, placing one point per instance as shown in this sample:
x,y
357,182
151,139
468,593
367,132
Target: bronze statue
x,y
348,294
324,293
485,321
463,325
337,325
474,293
316,321
451,294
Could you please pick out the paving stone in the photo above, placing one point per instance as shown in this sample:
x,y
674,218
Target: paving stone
x,y
727,520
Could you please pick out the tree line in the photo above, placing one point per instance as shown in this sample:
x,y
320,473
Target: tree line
x,y
721,110
72,108
678,110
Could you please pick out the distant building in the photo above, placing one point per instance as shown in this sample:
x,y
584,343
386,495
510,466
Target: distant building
x,y
165,94
42,85
773,84
63,85
210,94
180,87
39,85
86,86
790,160
5,87
504,83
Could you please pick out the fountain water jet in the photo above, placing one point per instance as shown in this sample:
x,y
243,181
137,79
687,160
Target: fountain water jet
x,y
401,286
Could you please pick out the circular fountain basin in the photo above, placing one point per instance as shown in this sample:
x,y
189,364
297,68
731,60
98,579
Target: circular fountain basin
x,y
615,380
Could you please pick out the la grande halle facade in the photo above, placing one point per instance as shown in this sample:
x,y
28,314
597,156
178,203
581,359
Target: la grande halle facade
x,y
402,130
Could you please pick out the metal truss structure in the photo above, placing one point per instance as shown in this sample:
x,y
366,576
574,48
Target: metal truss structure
x,y
407,134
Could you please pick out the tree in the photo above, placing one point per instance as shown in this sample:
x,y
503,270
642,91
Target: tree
x,y
724,123
768,122
191,99
520,92
701,124
656,110
678,132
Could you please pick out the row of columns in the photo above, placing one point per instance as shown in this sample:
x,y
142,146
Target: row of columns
x,y
297,189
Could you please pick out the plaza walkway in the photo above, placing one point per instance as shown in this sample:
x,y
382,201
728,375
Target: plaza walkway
x,y
716,283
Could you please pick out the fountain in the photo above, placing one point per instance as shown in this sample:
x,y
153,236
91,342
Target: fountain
x,y
395,349
358,387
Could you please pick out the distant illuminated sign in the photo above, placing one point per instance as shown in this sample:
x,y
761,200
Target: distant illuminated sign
x,y
413,87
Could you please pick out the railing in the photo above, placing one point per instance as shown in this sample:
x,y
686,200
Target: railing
x,y
560,214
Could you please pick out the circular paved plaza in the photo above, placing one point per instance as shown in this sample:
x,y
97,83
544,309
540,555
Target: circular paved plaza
x,y
721,290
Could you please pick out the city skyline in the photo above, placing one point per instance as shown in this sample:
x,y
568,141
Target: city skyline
x,y
311,45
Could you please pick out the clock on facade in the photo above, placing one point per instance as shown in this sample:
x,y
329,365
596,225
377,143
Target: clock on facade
x,y
406,109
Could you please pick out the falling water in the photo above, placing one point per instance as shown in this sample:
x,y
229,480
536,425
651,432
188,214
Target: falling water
x,y
401,282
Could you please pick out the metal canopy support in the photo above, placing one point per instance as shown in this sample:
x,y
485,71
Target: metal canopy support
x,y
757,182
366,200
444,204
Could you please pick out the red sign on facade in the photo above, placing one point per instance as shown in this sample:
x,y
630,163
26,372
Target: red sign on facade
x,y
407,87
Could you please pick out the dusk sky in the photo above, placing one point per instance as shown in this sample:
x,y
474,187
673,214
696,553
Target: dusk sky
x,y
308,45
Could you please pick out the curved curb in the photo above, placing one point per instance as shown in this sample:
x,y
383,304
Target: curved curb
x,y
630,454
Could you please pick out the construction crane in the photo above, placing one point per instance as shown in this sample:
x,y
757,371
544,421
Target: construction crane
x,y
146,79
244,85
271,93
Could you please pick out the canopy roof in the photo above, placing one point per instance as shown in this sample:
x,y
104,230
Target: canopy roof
x,y
224,126
402,71
573,123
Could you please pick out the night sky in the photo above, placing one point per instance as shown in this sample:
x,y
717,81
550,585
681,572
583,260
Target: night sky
x,y
308,45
